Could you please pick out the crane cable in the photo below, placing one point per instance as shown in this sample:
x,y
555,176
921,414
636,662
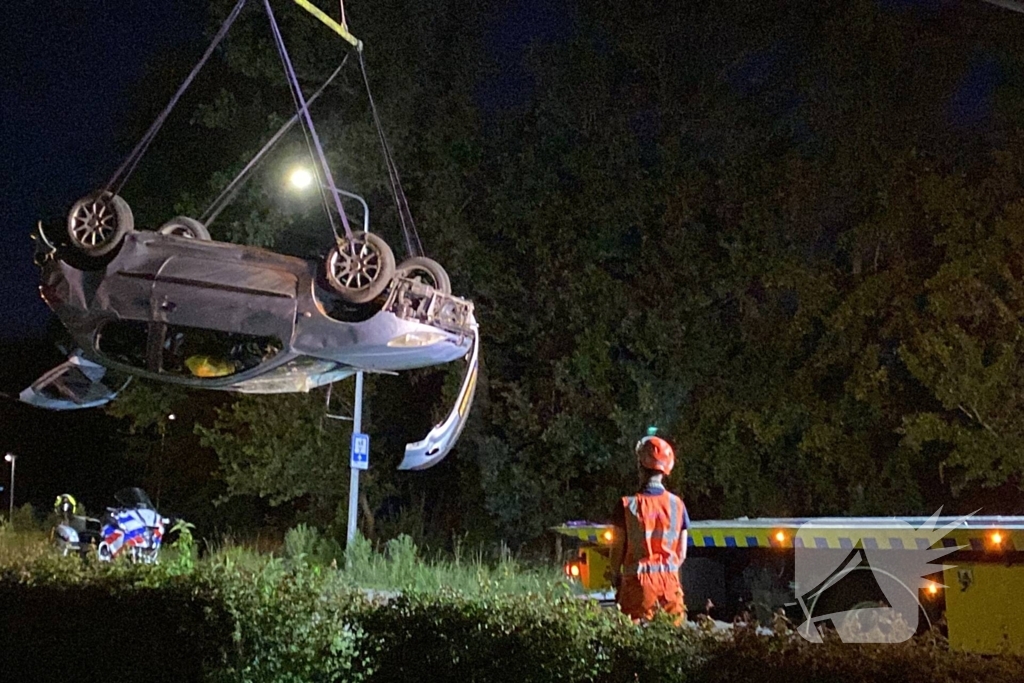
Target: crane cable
x,y
303,109
124,171
412,239
228,193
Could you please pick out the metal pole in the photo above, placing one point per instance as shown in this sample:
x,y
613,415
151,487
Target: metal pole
x,y
353,486
10,518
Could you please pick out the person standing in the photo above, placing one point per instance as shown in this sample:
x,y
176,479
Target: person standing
x,y
649,539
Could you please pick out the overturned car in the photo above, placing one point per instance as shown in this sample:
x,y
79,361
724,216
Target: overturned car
x,y
176,306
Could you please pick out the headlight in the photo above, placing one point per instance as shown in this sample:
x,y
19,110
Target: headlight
x,y
411,340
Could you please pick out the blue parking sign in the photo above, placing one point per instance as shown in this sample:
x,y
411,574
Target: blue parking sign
x,y
360,451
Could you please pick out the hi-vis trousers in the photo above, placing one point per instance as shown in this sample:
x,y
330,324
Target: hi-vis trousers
x,y
639,597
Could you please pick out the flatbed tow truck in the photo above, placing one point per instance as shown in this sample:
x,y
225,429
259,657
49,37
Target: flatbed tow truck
x,y
748,566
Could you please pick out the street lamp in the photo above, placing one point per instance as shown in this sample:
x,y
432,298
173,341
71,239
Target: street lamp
x,y
300,178
11,457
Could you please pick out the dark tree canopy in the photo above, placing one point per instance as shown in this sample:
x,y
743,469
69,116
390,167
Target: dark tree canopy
x,y
787,233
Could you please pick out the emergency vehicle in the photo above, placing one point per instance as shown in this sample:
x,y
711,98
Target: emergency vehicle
x,y
748,565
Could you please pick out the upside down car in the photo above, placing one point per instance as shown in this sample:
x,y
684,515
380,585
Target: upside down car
x,y
173,305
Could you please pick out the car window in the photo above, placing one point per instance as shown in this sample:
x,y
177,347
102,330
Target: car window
x,y
124,341
203,353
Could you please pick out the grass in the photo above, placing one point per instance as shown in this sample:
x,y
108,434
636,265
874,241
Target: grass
x,y
397,566
22,538
400,567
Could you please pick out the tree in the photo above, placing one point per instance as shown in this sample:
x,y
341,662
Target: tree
x,y
778,231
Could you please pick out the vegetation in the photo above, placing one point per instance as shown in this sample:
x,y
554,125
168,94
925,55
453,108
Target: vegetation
x,y
23,535
787,233
236,616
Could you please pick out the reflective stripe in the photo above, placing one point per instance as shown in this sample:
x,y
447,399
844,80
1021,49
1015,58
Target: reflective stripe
x,y
652,568
673,520
634,530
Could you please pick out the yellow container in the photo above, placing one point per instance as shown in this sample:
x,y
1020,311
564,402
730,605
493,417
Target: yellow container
x,y
985,607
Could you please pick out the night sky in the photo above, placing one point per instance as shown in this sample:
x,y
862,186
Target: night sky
x,y
66,69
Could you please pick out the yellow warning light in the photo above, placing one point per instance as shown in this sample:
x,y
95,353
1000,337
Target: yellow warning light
x,y
997,538
574,570
933,588
780,537
608,535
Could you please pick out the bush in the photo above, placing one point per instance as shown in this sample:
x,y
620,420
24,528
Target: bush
x,y
290,625
498,638
214,622
782,660
282,620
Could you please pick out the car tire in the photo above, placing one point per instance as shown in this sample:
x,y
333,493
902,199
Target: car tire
x,y
427,271
97,223
359,269
183,226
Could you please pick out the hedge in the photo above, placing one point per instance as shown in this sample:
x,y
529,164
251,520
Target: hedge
x,y
60,620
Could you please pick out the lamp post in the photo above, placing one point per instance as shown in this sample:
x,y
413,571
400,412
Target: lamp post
x,y
353,482
300,179
160,460
11,458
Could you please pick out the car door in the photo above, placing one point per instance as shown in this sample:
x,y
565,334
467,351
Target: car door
x,y
74,384
228,295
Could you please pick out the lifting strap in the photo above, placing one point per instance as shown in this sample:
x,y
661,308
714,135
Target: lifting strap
x,y
303,109
413,246
121,175
412,240
228,193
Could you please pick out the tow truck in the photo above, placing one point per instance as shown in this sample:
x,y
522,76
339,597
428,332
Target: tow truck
x,y
975,593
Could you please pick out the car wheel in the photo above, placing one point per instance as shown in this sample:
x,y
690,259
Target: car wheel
x,y
97,223
426,271
360,268
183,226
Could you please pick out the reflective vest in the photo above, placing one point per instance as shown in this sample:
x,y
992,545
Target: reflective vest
x,y
654,534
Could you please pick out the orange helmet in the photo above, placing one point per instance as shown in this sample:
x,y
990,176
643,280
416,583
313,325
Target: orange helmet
x,y
654,453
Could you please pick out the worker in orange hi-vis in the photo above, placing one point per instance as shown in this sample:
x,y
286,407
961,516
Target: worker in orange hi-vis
x,y
650,536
